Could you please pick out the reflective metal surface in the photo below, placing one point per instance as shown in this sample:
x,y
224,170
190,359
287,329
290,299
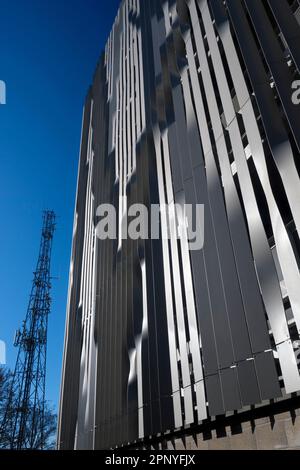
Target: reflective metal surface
x,y
190,104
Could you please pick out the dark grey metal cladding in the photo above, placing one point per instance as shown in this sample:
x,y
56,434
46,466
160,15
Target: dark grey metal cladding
x,y
219,313
178,300
230,389
267,375
230,282
160,120
288,26
256,324
107,322
202,293
283,156
237,329
252,301
177,142
275,130
153,295
220,319
237,238
161,395
262,256
225,356
71,371
215,396
277,63
248,383
181,112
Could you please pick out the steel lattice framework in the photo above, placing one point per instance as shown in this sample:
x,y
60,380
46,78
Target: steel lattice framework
x,y
23,424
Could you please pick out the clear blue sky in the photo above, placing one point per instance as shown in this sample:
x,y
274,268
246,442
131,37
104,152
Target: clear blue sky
x,y
49,50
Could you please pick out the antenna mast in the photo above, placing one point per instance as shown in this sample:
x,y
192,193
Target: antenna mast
x,y
23,423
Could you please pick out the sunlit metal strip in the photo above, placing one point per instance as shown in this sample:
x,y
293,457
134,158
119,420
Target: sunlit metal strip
x,y
185,369
168,287
191,314
195,342
144,333
171,220
184,363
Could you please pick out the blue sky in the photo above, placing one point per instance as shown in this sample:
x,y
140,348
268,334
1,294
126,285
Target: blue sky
x,y
49,50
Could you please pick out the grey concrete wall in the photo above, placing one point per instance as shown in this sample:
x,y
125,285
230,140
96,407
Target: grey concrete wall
x,y
279,432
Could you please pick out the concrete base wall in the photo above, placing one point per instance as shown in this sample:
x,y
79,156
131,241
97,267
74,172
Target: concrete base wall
x,y
274,425
271,433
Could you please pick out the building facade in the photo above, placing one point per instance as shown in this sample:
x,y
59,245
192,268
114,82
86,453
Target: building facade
x,y
192,102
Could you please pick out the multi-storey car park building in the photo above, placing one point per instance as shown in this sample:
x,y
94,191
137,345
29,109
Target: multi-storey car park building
x,y
192,102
